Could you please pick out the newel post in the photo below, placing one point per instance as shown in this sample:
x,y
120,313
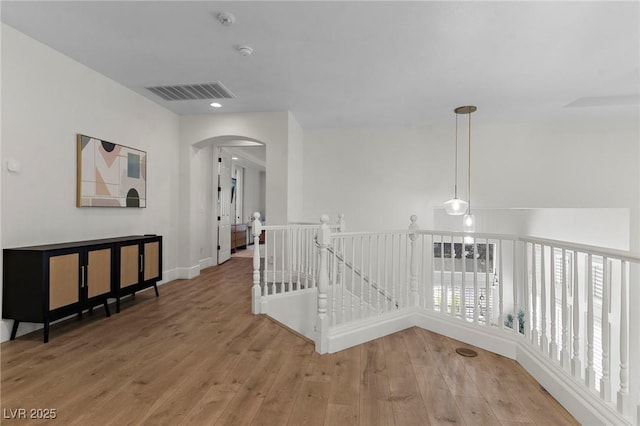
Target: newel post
x,y
413,267
256,293
322,322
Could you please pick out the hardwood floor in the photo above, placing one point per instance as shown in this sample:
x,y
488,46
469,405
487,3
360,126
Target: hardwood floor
x,y
197,356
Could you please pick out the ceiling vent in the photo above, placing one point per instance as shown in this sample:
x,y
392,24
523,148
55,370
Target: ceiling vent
x,y
187,92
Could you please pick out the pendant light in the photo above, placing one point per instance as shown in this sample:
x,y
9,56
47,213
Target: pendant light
x,y
469,220
456,206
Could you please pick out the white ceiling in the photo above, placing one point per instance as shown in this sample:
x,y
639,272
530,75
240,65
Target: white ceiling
x,y
378,63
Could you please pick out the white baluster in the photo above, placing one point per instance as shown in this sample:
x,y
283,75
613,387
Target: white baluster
x,y
525,294
487,290
353,278
500,288
393,273
476,291
452,254
370,286
553,346
298,258
265,290
379,279
322,324
534,297
256,230
624,405
605,381
361,309
514,286
344,283
333,283
544,342
576,364
428,277
444,292
565,355
463,289
413,268
290,250
590,374
274,260
385,275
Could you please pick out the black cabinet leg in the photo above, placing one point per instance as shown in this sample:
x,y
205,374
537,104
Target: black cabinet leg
x,y
106,309
46,331
118,304
155,287
14,329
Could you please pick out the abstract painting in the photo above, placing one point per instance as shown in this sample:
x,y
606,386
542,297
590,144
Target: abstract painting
x,y
110,175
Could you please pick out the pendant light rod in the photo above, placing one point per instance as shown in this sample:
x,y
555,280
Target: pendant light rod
x,y
469,220
467,109
469,167
455,185
455,206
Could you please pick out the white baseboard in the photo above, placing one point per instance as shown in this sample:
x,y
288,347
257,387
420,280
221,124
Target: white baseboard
x,y
187,273
586,406
484,337
206,262
354,334
168,276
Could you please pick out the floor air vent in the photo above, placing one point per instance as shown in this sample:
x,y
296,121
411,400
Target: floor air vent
x,y
186,92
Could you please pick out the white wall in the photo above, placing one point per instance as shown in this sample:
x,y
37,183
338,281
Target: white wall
x,y
251,193
46,99
295,174
379,177
263,195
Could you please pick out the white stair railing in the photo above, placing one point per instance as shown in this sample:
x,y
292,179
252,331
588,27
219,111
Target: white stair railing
x,y
568,303
286,261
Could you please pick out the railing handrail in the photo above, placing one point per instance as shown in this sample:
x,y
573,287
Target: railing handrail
x,y
583,248
297,226
586,248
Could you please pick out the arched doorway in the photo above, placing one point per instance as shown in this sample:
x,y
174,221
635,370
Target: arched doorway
x,y
238,188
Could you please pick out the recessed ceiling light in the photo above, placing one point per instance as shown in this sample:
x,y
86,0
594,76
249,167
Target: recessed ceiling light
x,y
234,158
215,104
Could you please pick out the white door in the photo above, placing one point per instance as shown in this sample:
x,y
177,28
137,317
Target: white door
x,y
224,206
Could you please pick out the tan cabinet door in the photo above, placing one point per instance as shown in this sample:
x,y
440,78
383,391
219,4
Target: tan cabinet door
x,y
99,272
129,264
64,276
151,260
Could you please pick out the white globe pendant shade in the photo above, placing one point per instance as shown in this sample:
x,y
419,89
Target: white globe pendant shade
x,y
469,223
456,206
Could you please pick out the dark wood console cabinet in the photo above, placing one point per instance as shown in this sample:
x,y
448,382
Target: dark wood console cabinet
x,y
48,282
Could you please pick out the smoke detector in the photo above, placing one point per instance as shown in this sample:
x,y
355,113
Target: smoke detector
x,y
226,19
245,50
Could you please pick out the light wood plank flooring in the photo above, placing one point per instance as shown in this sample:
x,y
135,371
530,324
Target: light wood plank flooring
x,y
197,356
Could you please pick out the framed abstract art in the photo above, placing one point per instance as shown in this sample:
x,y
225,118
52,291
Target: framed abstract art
x,y
110,175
